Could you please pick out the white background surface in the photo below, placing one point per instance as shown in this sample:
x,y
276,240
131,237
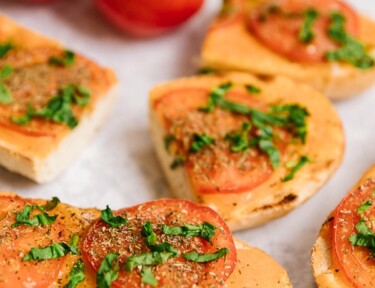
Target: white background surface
x,y
120,168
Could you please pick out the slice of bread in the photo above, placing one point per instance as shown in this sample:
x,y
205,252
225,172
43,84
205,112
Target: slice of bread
x,y
41,149
270,197
326,272
253,269
230,46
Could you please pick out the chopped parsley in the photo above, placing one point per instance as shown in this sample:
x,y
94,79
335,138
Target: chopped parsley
x,y
200,141
204,258
66,60
114,221
42,219
59,108
253,89
148,277
148,259
5,94
205,230
76,275
108,271
364,206
306,34
351,51
302,162
364,238
5,48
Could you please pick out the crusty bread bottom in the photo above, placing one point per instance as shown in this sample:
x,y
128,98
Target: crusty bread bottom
x,y
46,169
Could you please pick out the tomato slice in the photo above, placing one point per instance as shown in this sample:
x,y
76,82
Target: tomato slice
x,y
176,272
356,262
279,32
17,242
217,169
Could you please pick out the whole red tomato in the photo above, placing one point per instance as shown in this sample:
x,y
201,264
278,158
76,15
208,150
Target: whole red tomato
x,y
148,17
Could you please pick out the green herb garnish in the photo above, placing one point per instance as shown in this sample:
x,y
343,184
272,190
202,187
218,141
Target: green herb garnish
x,y
302,162
216,95
5,48
351,51
204,258
66,60
114,221
42,219
148,277
240,139
168,140
253,89
76,275
59,108
178,162
364,238
5,94
306,34
148,259
205,230
151,239
51,204
108,271
200,141
364,207
206,71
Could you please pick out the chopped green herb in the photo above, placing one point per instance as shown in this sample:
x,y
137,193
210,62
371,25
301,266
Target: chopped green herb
x,y
306,34
253,89
203,258
76,275
5,72
5,48
5,94
51,204
42,219
148,277
205,230
302,162
107,217
351,51
206,70
151,239
364,207
364,238
168,140
200,141
178,162
148,259
240,139
216,95
108,271
66,60
59,108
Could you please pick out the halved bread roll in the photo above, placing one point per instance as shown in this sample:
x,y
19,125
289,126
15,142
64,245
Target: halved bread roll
x,y
249,185
253,267
338,260
229,45
51,104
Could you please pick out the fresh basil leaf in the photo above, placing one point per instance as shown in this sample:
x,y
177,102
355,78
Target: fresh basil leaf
x,y
42,219
204,258
107,217
76,275
5,48
5,72
148,259
216,95
26,118
148,277
270,149
253,89
151,239
178,162
205,230
302,162
364,207
108,271
54,251
240,139
51,204
66,60
306,34
199,142
364,238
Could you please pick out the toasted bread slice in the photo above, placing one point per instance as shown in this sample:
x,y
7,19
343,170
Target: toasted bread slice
x,y
253,269
326,270
41,148
246,198
229,45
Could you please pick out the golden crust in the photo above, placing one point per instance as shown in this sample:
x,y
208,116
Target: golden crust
x,y
26,150
229,46
272,198
326,273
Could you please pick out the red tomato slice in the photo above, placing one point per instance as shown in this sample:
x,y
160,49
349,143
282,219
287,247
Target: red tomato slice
x,y
176,272
355,262
215,170
148,17
17,242
280,32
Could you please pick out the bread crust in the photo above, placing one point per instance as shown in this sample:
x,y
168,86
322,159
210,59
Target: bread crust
x,y
326,272
254,268
44,153
272,198
229,46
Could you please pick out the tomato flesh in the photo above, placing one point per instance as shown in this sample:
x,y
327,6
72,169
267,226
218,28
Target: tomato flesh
x,y
279,32
17,242
176,272
356,262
